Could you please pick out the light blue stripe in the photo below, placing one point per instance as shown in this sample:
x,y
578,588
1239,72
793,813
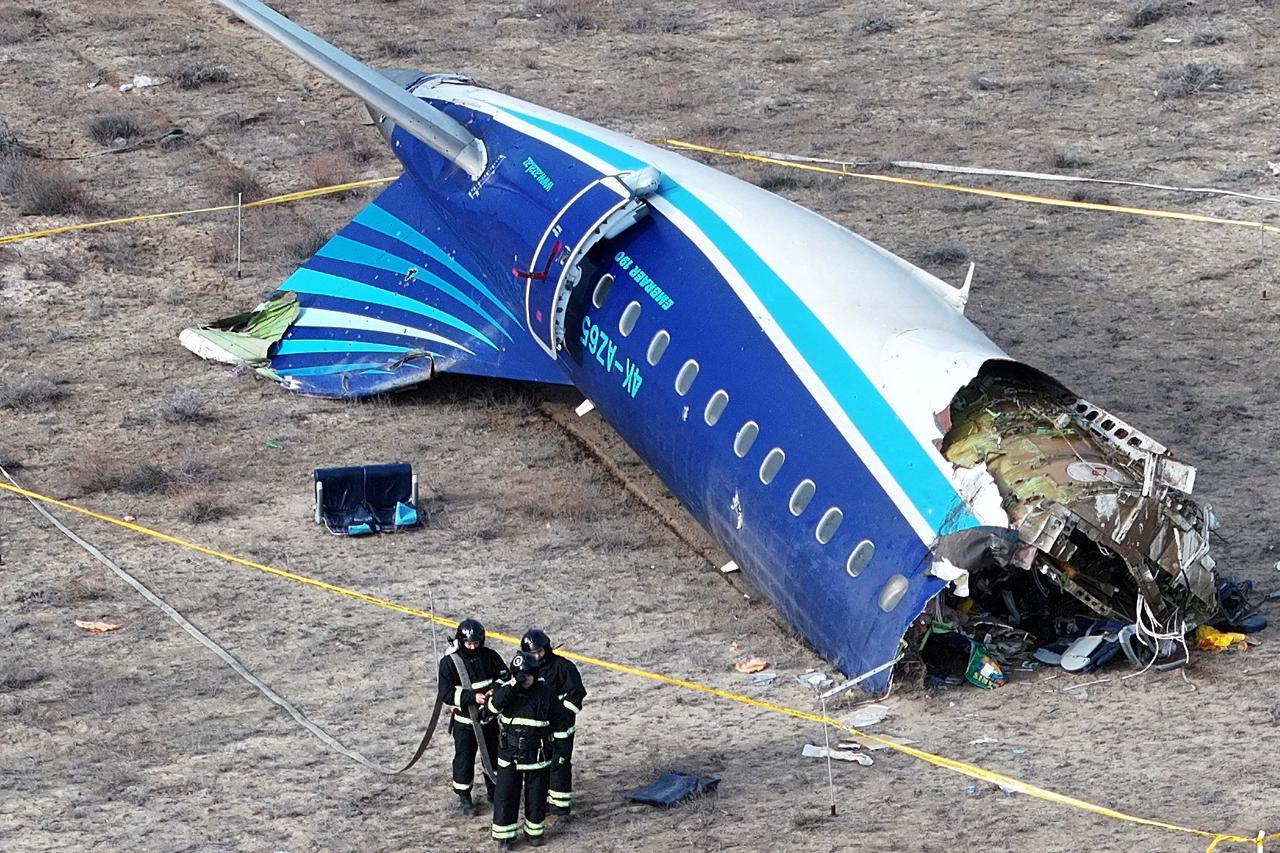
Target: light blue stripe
x,y
384,222
917,474
323,284
352,251
337,368
311,346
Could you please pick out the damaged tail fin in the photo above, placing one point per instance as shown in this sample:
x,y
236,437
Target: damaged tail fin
x,y
391,299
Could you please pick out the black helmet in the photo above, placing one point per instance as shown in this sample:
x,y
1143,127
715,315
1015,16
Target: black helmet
x,y
523,663
533,639
469,631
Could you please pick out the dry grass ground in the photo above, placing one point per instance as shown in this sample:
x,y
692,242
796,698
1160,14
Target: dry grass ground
x,y
140,739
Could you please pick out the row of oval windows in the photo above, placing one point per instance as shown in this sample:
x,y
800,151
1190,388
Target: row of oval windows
x,y
862,553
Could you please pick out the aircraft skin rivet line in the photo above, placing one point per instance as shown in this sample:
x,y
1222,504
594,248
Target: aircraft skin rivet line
x,y
1008,783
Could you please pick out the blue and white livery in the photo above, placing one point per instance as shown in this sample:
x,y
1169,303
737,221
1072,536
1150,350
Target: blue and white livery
x,y
788,380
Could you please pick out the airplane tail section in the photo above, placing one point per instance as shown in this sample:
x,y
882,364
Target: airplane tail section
x,y
393,298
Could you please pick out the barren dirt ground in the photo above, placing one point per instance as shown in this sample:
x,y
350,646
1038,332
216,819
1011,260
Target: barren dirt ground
x,y
140,739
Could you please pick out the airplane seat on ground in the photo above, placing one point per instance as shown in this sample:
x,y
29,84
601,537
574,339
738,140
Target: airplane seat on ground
x,y
360,499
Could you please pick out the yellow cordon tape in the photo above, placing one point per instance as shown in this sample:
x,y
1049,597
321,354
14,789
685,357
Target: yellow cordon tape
x,y
971,770
934,185
842,172
147,217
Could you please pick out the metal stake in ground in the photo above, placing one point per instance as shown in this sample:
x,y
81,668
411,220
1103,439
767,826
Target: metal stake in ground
x,y
826,739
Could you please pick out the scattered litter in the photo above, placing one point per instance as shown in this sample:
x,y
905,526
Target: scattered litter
x,y
670,788
751,665
764,679
729,568
128,518
971,790
96,627
983,671
837,754
95,83
1275,172
1011,789
274,444
1017,750
142,81
1080,693
984,739
867,715
815,679
1171,40
1212,640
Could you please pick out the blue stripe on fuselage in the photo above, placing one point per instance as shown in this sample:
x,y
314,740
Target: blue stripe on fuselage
x,y
907,462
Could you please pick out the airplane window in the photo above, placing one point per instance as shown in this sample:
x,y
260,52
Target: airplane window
x,y
801,496
829,524
894,589
772,463
658,346
715,407
629,316
746,437
684,379
601,293
861,556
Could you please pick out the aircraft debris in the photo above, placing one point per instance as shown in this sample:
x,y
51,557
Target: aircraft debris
x,y
926,478
1209,639
866,716
97,627
751,665
839,752
815,680
670,788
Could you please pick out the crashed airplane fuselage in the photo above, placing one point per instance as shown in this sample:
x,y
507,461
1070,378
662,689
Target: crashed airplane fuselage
x,y
820,406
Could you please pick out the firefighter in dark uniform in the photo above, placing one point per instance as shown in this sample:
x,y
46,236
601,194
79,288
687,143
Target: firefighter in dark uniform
x,y
485,670
563,678
531,717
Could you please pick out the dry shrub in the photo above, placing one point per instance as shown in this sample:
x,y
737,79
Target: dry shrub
x,y
115,129
93,471
1191,78
944,253
184,406
233,183
146,478
1112,33
30,393
1063,159
1144,13
193,75
396,49
1208,37
359,144
575,16
41,187
201,507
326,170
62,268
96,471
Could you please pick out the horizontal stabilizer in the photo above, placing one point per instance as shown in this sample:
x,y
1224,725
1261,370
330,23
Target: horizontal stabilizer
x,y
390,300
